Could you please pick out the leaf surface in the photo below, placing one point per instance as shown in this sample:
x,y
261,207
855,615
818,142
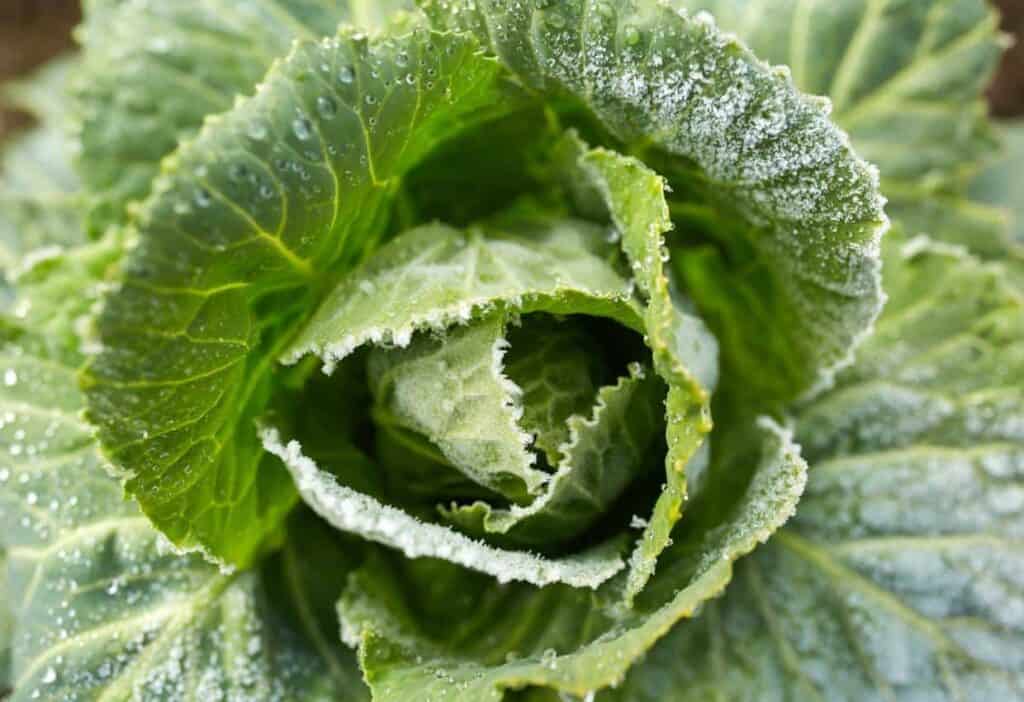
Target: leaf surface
x,y
732,135
900,576
250,224
605,450
906,80
574,641
361,514
153,72
105,609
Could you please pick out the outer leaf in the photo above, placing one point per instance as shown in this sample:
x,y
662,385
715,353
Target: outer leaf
x,y
105,610
737,137
986,215
603,453
906,80
363,515
402,613
249,224
154,71
900,577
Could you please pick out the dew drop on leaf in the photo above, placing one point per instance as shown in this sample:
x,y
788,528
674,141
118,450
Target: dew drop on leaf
x,y
302,128
326,107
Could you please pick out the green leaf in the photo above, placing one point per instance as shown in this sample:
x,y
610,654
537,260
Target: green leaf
x,y
435,276
900,576
363,515
735,137
984,214
1000,184
429,630
685,358
906,80
105,609
454,392
249,225
553,361
153,72
603,453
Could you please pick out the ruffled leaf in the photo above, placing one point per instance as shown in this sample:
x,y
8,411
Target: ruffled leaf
x,y
363,515
605,450
900,576
249,225
789,199
506,637
436,276
153,72
454,393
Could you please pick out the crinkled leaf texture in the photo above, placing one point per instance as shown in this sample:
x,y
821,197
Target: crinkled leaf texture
x,y
907,81
253,222
797,211
103,607
401,612
398,610
902,574
154,70
96,604
233,250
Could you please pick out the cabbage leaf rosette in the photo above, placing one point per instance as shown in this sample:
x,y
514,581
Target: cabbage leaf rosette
x,y
460,350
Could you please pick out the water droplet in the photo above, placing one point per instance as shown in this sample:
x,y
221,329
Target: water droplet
x,y
326,107
371,100
402,59
556,21
302,128
346,75
32,498
50,676
266,192
10,377
632,35
202,198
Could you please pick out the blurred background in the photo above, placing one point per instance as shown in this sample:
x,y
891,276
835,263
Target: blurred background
x,y
31,31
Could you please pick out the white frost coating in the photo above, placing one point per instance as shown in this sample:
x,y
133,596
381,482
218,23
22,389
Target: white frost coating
x,y
361,514
923,244
512,394
770,500
35,258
